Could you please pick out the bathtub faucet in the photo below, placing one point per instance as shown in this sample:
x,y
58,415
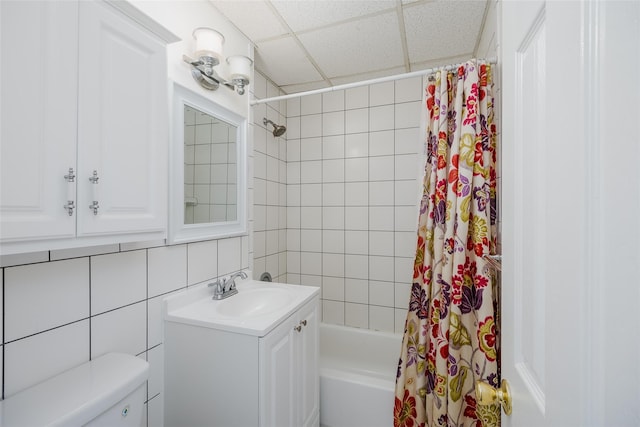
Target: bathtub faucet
x,y
227,287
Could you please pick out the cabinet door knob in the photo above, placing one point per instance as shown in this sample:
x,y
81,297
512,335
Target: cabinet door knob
x,y
298,328
303,322
70,177
69,207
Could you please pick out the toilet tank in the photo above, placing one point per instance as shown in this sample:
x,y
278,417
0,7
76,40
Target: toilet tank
x,y
107,391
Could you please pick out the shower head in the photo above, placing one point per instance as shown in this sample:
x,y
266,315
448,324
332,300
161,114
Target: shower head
x,y
277,129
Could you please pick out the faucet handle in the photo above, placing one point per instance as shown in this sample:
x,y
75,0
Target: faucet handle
x,y
218,287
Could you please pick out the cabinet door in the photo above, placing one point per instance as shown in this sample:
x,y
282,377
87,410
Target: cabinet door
x,y
122,124
278,369
309,347
38,118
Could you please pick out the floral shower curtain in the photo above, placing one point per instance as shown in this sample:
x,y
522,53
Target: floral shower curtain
x,y
450,338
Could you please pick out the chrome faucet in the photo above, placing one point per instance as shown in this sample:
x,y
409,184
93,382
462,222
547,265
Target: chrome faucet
x,y
227,287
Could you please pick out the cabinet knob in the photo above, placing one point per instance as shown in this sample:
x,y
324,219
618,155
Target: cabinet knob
x,y
69,207
303,322
298,328
70,177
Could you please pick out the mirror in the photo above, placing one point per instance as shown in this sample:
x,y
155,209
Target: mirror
x,y
209,168
207,171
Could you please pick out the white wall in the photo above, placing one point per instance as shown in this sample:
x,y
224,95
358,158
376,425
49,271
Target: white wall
x,y
181,18
62,308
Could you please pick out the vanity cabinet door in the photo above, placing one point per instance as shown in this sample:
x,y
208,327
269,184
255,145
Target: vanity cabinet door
x,y
38,124
289,371
308,374
278,373
122,125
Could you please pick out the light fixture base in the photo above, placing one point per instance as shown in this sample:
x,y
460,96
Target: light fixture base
x,y
204,80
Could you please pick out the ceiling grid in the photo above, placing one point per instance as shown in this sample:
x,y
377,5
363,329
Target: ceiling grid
x,y
313,44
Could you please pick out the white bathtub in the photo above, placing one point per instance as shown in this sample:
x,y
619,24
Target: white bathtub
x,y
357,376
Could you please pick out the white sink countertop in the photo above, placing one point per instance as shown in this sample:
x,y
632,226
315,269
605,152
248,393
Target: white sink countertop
x,y
256,309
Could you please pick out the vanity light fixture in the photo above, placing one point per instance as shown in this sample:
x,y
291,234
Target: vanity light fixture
x,y
208,55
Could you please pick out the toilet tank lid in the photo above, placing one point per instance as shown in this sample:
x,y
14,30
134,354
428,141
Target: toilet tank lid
x,y
78,395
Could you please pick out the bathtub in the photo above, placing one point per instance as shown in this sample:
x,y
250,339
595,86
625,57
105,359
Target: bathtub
x,y
357,376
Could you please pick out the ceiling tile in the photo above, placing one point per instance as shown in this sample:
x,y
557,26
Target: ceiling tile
x,y
253,17
442,29
353,40
284,62
304,15
356,47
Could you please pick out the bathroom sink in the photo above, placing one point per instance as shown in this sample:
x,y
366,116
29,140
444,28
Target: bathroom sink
x,y
256,309
254,302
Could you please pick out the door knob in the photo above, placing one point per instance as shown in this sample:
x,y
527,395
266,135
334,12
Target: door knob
x,y
487,395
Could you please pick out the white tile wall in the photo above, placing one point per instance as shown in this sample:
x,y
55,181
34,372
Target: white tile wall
x,y
358,242
332,101
44,296
229,255
333,147
276,206
32,359
357,98
58,314
356,315
118,280
381,94
122,330
202,261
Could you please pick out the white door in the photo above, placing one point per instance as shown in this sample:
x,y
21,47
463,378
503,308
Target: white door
x,y
38,118
122,124
570,209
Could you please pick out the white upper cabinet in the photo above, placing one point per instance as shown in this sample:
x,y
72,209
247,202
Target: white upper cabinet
x,y
122,124
39,85
86,92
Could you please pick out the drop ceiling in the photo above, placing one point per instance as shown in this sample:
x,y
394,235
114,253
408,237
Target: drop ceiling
x,y
311,44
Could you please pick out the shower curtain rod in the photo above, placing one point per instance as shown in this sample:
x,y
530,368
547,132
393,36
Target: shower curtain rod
x,y
366,82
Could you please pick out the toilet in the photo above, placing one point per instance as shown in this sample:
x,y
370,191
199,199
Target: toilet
x,y
107,391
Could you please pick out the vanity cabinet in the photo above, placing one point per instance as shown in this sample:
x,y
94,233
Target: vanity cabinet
x,y
289,374
220,377
84,125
